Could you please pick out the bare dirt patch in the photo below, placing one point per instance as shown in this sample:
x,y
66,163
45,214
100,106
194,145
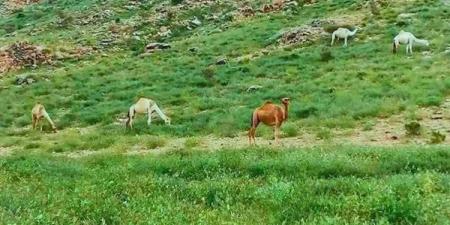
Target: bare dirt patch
x,y
11,5
5,151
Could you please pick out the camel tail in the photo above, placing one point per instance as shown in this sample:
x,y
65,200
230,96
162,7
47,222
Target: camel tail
x,y
254,120
128,117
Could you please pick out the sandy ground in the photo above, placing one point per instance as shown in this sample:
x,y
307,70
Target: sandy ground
x,y
5,151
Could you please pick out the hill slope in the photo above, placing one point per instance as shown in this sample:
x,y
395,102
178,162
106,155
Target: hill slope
x,y
98,69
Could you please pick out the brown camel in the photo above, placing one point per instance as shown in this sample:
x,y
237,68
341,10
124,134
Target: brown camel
x,y
271,115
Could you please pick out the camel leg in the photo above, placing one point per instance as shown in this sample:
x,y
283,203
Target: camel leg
x,y
410,49
332,39
251,135
345,42
33,122
130,122
149,120
40,122
277,135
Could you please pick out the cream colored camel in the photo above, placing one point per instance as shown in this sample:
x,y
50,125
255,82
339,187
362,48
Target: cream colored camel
x,y
342,33
271,115
408,39
145,106
37,113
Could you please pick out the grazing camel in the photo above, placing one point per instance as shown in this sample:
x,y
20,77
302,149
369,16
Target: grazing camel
x,y
343,33
142,106
37,113
271,115
409,39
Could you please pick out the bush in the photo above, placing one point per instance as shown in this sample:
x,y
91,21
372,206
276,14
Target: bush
x,y
290,130
154,142
325,55
413,128
192,142
374,8
324,134
176,2
437,137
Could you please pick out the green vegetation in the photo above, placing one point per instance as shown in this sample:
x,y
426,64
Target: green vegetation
x,y
342,185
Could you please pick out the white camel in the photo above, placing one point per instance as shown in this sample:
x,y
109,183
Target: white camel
x,y
142,106
408,39
342,33
37,113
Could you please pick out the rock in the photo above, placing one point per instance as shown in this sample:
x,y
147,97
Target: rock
x,y
437,116
394,137
267,8
404,16
195,22
193,49
24,80
299,35
254,88
164,32
221,61
106,42
447,49
22,54
152,47
247,11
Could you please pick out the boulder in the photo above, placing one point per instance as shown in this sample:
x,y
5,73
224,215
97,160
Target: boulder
x,y
24,80
221,61
152,47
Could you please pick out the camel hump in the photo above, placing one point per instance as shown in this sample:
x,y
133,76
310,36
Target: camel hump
x,y
268,102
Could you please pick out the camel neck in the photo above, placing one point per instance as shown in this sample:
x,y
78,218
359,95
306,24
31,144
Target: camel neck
x,y
286,107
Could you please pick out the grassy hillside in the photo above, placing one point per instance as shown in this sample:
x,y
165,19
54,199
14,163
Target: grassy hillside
x,y
362,81
258,186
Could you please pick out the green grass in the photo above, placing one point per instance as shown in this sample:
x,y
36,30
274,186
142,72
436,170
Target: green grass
x,y
339,185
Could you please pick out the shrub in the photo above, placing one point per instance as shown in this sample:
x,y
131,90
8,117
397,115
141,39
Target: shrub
x,y
437,137
154,142
192,142
324,134
374,8
176,2
325,55
413,128
290,130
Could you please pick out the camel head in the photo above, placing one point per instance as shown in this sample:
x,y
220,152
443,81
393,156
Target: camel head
x,y
426,43
285,100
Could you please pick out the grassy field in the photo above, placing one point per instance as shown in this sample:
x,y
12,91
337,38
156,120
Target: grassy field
x,y
357,85
342,185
